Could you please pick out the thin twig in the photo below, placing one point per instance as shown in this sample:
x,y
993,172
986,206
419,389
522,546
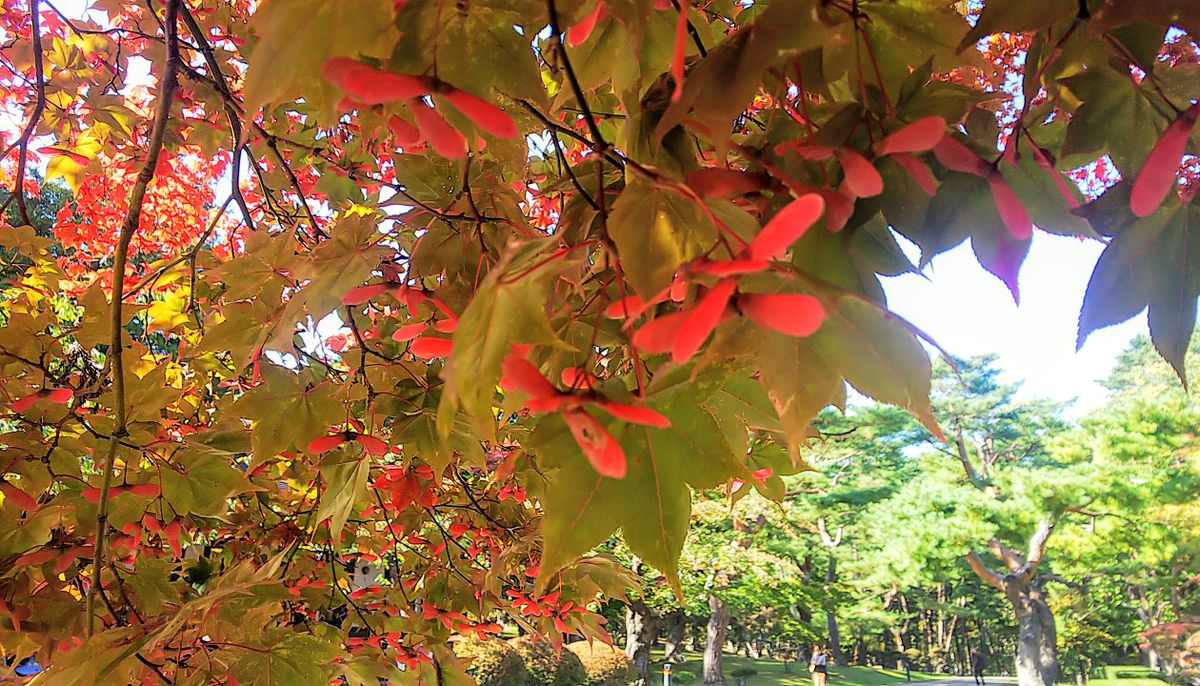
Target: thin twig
x,y
133,216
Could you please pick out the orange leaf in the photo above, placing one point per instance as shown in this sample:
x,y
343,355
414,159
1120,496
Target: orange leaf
x,y
701,320
92,495
919,136
786,226
19,498
1156,178
37,557
146,490
326,443
794,314
598,445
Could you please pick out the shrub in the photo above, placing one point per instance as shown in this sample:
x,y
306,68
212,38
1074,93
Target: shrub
x,y
493,663
744,671
604,664
545,665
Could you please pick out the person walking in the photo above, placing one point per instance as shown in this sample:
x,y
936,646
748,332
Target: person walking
x,y
978,664
818,666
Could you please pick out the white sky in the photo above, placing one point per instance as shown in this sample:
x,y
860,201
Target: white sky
x,y
968,311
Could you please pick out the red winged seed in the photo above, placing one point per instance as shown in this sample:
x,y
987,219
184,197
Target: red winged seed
x,y
786,226
404,134
634,414
486,115
521,375
919,136
598,445
656,335
701,320
955,155
794,314
918,170
1157,175
1012,212
579,33
429,347
373,86
862,178
445,140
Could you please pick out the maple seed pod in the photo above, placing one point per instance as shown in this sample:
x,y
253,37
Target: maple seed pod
x,y
1012,212
955,155
579,33
919,136
918,170
1156,178
372,86
486,115
786,227
794,314
598,445
862,178
404,134
701,320
445,140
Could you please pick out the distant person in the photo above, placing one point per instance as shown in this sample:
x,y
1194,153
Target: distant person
x,y
819,666
978,664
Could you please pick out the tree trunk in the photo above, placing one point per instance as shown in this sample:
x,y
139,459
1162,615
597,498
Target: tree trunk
x,y
641,629
1037,656
898,639
718,623
831,622
674,624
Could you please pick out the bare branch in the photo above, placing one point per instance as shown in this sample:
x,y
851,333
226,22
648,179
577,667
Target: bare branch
x,y
1037,547
991,576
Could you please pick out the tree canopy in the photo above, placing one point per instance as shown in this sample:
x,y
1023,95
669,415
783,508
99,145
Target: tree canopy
x,y
335,332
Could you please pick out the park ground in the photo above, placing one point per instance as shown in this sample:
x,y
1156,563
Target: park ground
x,y
774,673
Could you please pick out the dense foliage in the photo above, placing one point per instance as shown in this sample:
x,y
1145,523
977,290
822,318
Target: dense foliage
x,y
463,288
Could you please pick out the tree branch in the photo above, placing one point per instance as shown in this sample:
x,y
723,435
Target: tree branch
x,y
1037,548
39,104
129,226
989,575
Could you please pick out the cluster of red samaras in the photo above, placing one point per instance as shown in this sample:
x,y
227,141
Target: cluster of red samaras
x,y
366,85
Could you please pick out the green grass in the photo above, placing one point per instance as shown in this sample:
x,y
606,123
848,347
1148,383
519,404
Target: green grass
x,y
1128,675
773,673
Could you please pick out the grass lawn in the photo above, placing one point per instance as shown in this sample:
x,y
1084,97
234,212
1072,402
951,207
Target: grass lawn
x,y
772,673
1127,675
